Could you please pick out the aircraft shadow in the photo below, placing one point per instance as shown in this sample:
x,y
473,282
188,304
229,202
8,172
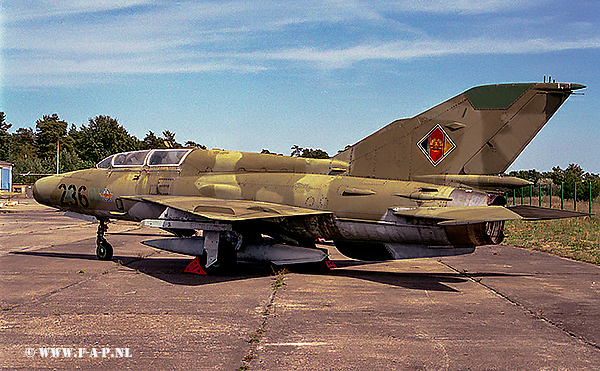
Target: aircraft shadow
x,y
410,280
170,270
130,233
166,269
124,260
413,280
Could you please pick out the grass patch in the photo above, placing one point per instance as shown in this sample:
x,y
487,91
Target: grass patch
x,y
574,238
279,277
249,357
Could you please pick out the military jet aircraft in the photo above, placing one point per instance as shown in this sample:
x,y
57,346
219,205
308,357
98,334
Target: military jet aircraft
x,y
419,187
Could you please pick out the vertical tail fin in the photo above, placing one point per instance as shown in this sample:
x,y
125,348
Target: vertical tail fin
x,y
480,131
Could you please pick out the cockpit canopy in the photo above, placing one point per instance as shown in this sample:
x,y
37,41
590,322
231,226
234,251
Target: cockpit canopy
x,y
154,157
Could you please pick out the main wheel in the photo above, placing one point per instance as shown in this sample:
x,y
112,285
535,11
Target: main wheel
x,y
225,263
104,250
229,243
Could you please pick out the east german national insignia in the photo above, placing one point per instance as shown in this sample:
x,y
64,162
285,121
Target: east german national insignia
x,y
106,195
436,145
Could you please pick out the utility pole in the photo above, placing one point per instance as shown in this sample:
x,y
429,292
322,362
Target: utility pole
x,y
57,154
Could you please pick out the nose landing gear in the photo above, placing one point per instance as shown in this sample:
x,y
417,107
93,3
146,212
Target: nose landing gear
x,y
104,250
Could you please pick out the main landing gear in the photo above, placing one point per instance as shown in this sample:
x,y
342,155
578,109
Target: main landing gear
x,y
104,250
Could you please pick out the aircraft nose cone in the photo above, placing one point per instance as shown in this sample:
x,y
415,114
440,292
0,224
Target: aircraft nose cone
x,y
44,190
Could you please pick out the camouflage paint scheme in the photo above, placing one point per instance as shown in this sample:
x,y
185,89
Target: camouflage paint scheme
x,y
408,190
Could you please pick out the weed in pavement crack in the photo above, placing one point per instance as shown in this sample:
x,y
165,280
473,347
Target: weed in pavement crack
x,y
268,310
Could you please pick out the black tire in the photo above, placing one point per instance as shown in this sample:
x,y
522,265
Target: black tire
x,y
104,250
226,262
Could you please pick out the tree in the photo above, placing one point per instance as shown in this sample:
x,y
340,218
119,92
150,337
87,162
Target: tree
x,y
191,143
103,137
566,178
575,174
531,175
151,141
5,138
31,164
296,151
23,142
345,148
51,131
314,153
266,151
169,139
594,181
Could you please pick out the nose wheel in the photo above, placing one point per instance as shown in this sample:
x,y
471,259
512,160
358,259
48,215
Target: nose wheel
x,y
104,250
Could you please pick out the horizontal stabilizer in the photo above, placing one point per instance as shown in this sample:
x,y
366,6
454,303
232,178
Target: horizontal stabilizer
x,y
460,214
528,212
489,183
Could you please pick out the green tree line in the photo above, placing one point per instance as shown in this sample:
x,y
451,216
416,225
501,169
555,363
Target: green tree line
x,y
33,150
558,177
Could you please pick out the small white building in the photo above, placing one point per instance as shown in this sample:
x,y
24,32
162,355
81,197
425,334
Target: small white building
x,y
5,176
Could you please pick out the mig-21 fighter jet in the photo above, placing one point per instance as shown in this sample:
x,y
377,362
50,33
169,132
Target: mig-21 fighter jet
x,y
425,186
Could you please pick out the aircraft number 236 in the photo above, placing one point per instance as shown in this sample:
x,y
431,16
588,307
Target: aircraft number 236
x,y
71,195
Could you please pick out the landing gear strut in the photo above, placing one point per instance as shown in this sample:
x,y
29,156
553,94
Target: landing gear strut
x,y
104,250
220,251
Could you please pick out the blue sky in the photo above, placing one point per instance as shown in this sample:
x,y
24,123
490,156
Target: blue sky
x,y
248,75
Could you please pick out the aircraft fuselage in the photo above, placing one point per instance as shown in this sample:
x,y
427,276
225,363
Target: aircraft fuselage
x,y
362,208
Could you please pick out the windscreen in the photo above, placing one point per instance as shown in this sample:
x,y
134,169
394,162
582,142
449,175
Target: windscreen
x,y
105,164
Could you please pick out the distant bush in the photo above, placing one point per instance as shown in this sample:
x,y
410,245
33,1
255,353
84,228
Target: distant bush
x,y
570,176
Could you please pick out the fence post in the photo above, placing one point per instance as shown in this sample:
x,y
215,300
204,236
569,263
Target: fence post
x,y
590,198
551,194
530,193
562,195
522,188
514,196
575,196
540,194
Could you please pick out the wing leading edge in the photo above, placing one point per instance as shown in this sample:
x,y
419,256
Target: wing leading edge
x,y
227,210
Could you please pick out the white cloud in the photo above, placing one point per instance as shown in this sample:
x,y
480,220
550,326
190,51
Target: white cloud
x,y
408,50
465,6
57,69
27,10
242,37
